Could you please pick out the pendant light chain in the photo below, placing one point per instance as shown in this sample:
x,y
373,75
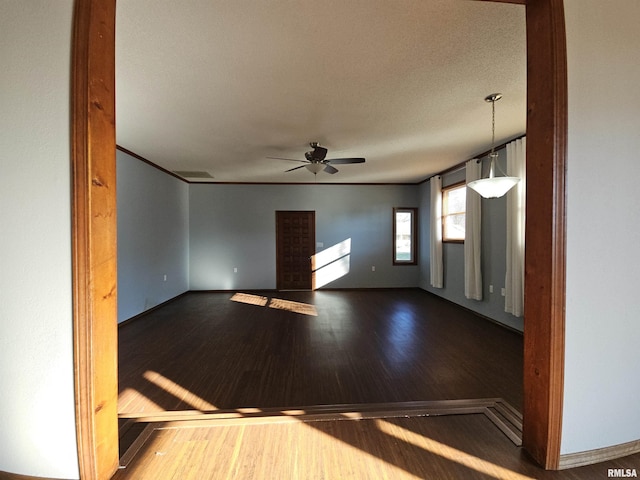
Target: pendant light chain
x,y
493,98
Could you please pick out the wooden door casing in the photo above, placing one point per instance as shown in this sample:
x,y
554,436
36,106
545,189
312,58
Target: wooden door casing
x,y
94,240
542,330
295,246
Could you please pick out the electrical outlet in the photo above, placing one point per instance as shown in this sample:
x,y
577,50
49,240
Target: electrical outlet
x,y
165,278
490,288
235,269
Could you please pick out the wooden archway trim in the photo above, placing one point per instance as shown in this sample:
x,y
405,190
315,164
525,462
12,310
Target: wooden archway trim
x,y
94,233
94,237
545,237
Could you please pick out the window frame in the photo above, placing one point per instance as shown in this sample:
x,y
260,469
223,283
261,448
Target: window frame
x,y
445,213
414,235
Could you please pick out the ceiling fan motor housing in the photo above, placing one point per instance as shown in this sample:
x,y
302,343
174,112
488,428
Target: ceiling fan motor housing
x,y
317,154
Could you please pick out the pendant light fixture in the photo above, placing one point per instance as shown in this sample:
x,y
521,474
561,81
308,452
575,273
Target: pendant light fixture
x,y
493,187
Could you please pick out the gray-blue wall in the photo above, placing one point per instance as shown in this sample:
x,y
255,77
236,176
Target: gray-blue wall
x,y
494,231
233,226
153,236
198,234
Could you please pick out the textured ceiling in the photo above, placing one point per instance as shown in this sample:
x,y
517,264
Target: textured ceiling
x,y
219,85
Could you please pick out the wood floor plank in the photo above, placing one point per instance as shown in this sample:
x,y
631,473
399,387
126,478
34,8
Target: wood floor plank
x,y
440,447
362,347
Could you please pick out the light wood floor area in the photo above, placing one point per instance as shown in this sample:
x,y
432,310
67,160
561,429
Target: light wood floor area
x,y
451,447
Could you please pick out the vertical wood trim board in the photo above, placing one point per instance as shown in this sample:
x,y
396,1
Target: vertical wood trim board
x,y
94,237
546,231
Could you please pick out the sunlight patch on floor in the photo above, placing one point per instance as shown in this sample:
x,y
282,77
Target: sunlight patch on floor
x,y
296,307
123,397
178,391
277,303
450,453
250,299
350,459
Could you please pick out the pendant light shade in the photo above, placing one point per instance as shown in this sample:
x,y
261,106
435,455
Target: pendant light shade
x,y
493,187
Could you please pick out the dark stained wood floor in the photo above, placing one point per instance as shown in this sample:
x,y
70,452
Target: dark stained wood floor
x,y
204,351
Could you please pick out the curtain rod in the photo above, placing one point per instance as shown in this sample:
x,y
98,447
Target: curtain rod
x,y
459,166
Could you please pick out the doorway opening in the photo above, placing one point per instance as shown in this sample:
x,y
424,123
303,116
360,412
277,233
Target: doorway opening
x,y
93,152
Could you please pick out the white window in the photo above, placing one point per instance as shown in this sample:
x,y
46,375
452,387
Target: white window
x,y
404,236
454,200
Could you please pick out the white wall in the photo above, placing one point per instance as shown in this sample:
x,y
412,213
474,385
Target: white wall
x,y
233,226
602,364
37,420
153,236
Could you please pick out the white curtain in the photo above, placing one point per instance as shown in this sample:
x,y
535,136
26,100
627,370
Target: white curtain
x,y
514,278
435,244
472,242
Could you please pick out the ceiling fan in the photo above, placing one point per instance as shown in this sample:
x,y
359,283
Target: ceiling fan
x,y
316,162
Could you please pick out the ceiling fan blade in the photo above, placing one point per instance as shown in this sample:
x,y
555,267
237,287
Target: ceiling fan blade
x,y
287,159
330,169
344,161
318,153
294,168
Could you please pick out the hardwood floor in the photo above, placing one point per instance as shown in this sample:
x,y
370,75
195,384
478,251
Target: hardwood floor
x,y
209,386
205,351
398,447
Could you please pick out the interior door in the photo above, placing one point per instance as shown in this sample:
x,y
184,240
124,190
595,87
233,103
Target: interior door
x,y
295,246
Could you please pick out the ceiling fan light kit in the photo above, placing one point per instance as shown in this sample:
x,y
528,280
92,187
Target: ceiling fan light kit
x,y
316,162
493,187
315,168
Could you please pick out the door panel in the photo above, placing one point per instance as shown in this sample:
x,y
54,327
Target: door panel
x,y
295,245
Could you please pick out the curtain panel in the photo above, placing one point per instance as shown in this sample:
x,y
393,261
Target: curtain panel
x,y
435,234
472,240
514,278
